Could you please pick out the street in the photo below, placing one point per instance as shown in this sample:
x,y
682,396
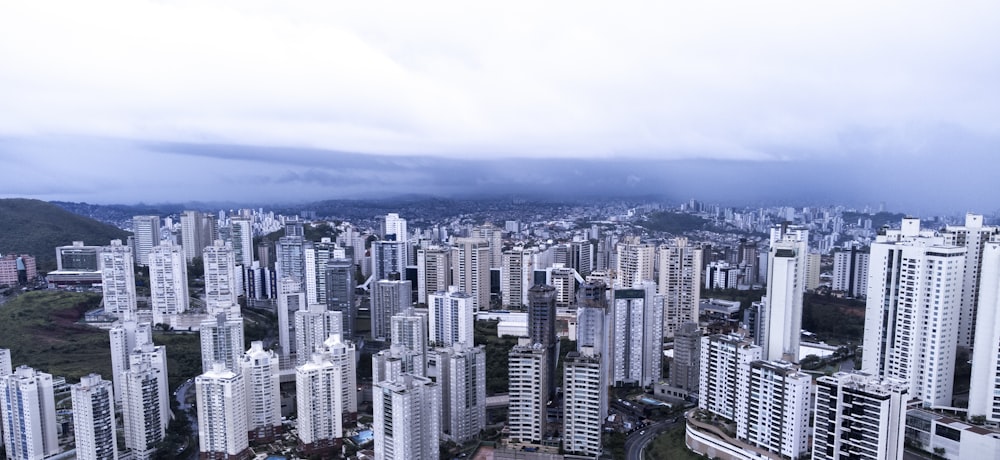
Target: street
x,y
637,441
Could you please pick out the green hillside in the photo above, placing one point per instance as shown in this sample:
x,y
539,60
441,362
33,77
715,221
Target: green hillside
x,y
36,227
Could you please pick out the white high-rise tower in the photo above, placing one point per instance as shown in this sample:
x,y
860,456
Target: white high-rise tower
x,y
94,419
220,279
222,414
462,379
28,409
260,373
973,237
117,278
781,316
637,335
680,284
125,337
146,231
407,412
221,342
984,390
450,317
168,281
319,400
471,270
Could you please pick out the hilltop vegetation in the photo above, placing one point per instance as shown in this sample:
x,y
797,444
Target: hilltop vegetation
x,y
35,227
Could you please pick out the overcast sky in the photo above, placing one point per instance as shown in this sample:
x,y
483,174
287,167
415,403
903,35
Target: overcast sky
x,y
122,101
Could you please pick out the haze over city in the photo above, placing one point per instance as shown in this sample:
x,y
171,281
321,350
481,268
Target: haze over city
x,y
852,102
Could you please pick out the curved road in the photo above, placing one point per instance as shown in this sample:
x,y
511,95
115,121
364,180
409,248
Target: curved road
x,y
637,441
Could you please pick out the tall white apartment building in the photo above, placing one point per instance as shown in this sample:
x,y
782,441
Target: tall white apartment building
x,y
392,224
494,236
812,268
260,373
388,257
343,354
781,315
433,271
772,407
409,330
168,281
585,404
5,362
156,357
450,317
516,276
635,263
850,272
241,233
471,270
679,284
395,361
564,279
117,278
528,391
94,419
721,357
197,231
637,335
317,256
388,297
319,400
407,412
221,342
125,337
222,414
973,236
290,257
858,416
290,300
984,390
462,379
144,417
146,231
28,411
912,315
221,290
313,326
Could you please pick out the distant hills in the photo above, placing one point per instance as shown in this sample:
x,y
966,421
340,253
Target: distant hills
x,y
36,227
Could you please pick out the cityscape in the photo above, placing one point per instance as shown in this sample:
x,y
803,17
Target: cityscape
x,y
447,230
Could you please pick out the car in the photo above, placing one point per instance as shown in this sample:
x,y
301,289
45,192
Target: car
x,y
642,432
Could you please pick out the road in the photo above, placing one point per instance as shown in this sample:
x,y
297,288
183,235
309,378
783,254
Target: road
x,y
637,441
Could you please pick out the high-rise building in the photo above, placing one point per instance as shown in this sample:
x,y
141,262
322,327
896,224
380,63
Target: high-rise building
x,y
972,236
516,276
117,278
409,330
317,256
290,300
635,263
146,232
395,226
94,419
772,407
684,369
28,411
911,328
407,412
388,257
143,416
197,231
290,259
585,404
637,335
984,390
156,357
858,416
320,405
680,284
343,354
542,327
462,379
222,414
313,326
721,357
850,272
260,373
781,315
5,363
395,361
450,317
168,282
241,237
433,271
581,257
221,342
125,337
340,285
493,235
527,390
563,279
220,278
471,270
388,298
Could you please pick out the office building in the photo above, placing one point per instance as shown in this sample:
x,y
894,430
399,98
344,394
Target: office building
x,y
221,342
260,373
312,327
911,318
858,416
635,263
319,401
581,257
222,414
290,300
407,424
28,411
433,271
679,284
144,417
117,278
450,317
462,380
340,285
585,404
850,272
94,419
146,234
722,275
637,335
516,276
388,298
972,236
125,337
78,257
168,281
221,278
471,270
197,231
527,391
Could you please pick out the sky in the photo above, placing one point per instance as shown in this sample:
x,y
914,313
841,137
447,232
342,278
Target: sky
x,y
157,100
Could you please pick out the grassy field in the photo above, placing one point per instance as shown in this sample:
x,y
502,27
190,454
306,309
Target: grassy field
x,y
670,446
40,329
